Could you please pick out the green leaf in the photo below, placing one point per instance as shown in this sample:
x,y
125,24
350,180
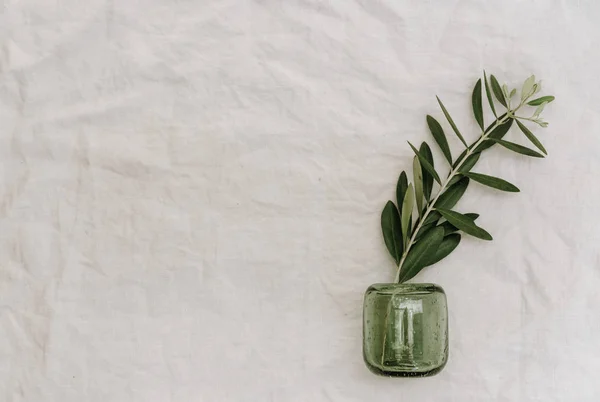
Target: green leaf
x,y
527,88
493,124
392,235
424,229
505,92
501,130
440,137
498,133
460,158
432,220
539,110
449,118
488,94
462,155
497,89
464,223
450,197
407,209
448,244
531,137
433,217
425,164
450,228
477,106
539,101
518,148
401,188
492,181
465,167
470,162
418,180
427,177
420,254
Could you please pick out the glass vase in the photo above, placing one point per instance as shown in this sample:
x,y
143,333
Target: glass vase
x,y
405,329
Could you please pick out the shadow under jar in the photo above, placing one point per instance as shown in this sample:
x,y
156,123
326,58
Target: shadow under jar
x,y
405,329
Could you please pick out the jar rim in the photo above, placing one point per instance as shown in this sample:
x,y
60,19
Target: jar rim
x,y
414,288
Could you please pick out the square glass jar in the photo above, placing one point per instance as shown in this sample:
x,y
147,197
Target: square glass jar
x,y
405,329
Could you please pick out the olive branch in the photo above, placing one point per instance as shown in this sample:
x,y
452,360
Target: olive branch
x,y
433,234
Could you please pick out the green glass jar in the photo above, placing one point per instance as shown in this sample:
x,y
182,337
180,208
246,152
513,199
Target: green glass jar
x,y
405,329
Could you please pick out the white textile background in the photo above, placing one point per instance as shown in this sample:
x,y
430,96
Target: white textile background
x,y
190,195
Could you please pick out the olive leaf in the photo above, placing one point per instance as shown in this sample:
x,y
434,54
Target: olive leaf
x,y
470,162
531,137
448,244
450,197
539,110
440,137
477,106
425,164
496,134
424,229
518,148
418,181
401,188
497,131
427,177
464,223
497,89
501,130
492,181
447,226
527,88
488,94
433,217
407,209
450,228
539,101
392,235
421,254
449,118
466,166
505,92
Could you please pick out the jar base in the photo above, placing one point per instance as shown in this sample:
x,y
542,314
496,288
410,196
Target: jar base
x,y
402,371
